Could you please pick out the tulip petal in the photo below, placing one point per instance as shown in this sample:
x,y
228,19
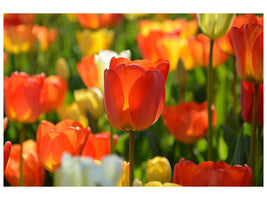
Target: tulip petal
x,y
257,58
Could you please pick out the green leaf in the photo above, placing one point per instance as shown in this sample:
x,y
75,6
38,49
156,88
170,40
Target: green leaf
x,y
241,155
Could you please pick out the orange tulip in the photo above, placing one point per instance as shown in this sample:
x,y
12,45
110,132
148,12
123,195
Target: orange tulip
x,y
158,44
7,150
208,173
19,39
246,101
53,140
5,123
33,172
134,92
196,53
98,145
94,21
188,122
225,42
45,36
55,89
16,19
23,97
248,47
88,71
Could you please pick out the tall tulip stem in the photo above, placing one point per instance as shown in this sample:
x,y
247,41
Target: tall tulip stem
x,y
253,128
22,137
131,156
210,134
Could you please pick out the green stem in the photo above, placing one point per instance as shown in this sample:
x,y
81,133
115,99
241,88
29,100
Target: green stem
x,y
192,155
131,156
234,85
253,128
210,134
22,138
258,154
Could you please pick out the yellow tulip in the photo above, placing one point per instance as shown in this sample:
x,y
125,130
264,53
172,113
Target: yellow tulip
x,y
124,180
62,69
215,25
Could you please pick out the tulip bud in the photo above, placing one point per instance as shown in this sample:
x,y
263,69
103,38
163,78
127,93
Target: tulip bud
x,y
90,100
62,69
158,169
215,25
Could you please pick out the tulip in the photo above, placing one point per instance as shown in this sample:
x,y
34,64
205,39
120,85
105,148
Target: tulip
x,y
23,97
124,179
73,111
225,42
53,140
91,42
17,19
188,122
33,172
19,39
91,69
134,92
208,173
97,146
45,36
5,123
196,53
248,47
246,100
158,44
7,150
159,184
62,69
215,25
158,169
55,89
94,21
78,171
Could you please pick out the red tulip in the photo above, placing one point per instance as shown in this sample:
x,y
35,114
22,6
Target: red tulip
x,y
33,172
246,100
88,71
16,19
188,122
248,47
55,89
98,145
134,92
208,173
22,97
7,149
53,140
225,42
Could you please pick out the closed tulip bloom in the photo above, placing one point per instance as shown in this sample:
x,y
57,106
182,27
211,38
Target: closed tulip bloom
x,y
158,169
196,53
225,42
45,36
158,44
53,140
91,42
62,68
215,25
208,173
55,89
73,111
23,97
188,122
97,146
19,39
246,101
134,92
33,172
248,47
7,150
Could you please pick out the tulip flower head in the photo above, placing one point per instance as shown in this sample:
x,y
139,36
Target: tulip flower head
x,y
33,172
248,47
62,69
134,92
79,171
215,25
45,36
208,173
188,122
158,169
7,150
23,97
53,140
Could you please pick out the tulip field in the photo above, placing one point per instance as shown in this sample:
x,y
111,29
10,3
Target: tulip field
x,y
141,99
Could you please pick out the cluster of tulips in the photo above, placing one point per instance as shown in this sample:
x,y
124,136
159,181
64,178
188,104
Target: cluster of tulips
x,y
85,100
